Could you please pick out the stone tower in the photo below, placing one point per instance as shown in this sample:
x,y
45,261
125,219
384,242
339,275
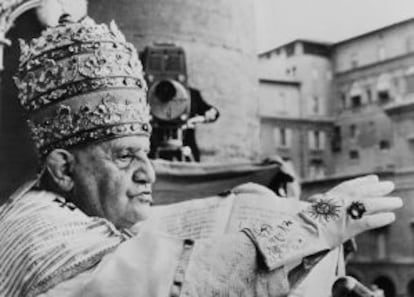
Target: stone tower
x,y
219,40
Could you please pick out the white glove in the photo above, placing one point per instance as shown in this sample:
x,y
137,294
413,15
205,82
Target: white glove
x,y
326,222
331,210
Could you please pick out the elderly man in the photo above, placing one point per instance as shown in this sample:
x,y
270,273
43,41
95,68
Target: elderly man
x,y
68,232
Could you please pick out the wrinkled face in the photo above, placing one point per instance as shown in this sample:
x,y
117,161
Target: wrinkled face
x,y
113,180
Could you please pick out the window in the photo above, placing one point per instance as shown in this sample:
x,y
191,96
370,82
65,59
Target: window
x,y
410,83
384,144
316,168
381,53
410,44
353,154
336,139
316,135
291,71
290,49
356,101
369,95
354,60
283,102
355,94
384,97
282,137
343,101
316,49
315,106
316,140
353,131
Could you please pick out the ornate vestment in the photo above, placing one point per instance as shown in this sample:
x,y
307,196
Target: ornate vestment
x,y
44,240
49,246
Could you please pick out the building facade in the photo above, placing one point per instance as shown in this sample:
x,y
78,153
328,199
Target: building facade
x,y
295,108
373,95
371,72
366,87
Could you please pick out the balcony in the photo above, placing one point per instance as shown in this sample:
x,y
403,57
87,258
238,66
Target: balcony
x,y
397,108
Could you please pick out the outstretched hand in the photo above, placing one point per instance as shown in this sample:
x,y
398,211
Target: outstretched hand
x,y
354,206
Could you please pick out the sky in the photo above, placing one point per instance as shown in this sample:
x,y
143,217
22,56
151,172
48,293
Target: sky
x,y
281,21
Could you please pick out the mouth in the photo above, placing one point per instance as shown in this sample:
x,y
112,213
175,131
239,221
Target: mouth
x,y
143,197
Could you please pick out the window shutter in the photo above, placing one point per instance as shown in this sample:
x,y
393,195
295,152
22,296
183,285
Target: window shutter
x,y
276,137
322,140
311,140
288,137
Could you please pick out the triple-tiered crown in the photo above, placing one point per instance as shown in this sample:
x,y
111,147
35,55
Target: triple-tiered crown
x,y
81,82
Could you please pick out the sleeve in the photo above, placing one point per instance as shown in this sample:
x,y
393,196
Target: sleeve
x,y
228,266
288,240
154,265
199,107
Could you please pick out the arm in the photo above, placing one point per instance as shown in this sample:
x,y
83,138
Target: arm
x,y
280,253
269,260
200,108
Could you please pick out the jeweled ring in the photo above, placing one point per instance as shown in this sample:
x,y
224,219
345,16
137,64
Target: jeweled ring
x,y
356,210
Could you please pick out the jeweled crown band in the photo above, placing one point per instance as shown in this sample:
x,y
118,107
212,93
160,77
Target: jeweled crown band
x,y
82,87
96,135
69,33
110,116
44,85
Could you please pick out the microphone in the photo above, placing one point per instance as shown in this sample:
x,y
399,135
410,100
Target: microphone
x,y
348,286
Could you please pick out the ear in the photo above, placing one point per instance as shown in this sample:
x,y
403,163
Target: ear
x,y
59,163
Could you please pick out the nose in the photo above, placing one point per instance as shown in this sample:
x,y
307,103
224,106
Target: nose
x,y
144,173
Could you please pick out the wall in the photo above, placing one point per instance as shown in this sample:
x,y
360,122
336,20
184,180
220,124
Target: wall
x,y
373,48
370,118
277,99
314,75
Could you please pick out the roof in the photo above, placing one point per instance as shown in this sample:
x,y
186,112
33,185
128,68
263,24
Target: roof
x,y
375,31
322,43
334,44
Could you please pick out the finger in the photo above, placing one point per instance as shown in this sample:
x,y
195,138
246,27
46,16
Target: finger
x,y
376,220
371,178
375,190
382,204
356,183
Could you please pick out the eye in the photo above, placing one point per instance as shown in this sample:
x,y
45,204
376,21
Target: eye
x,y
125,158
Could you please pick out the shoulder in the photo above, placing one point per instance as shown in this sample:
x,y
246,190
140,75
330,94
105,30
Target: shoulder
x,y
40,227
253,189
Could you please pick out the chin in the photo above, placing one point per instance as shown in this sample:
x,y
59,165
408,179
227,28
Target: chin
x,y
142,214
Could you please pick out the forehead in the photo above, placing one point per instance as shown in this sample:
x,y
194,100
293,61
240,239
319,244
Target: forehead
x,y
134,143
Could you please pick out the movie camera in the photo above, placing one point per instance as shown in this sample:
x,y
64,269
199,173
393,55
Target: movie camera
x,y
169,98
166,76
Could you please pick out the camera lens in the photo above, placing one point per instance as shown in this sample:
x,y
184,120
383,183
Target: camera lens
x,y
165,91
